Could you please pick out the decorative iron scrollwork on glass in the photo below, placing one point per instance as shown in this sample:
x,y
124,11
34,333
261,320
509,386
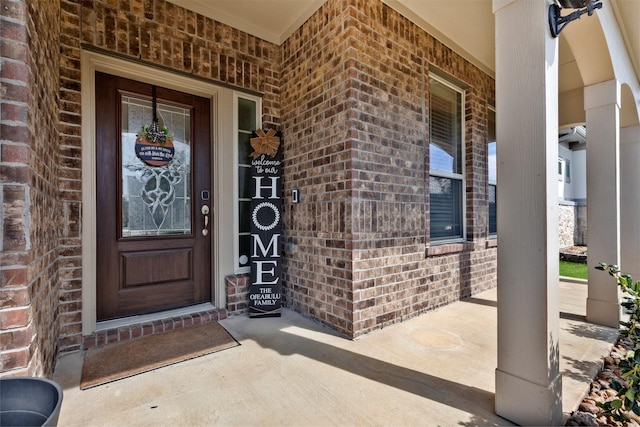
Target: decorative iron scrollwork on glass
x,y
158,191
156,188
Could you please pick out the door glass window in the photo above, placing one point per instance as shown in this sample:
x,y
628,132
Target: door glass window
x,y
156,200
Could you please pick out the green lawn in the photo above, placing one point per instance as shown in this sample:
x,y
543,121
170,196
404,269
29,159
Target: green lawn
x,y
573,269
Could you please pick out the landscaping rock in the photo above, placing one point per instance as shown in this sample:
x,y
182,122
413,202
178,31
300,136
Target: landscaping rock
x,y
589,407
588,413
582,419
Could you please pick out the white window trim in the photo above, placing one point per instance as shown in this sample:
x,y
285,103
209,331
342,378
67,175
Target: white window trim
x,y
460,176
236,180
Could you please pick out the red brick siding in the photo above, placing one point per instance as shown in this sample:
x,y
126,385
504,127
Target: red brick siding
x,y
237,287
70,179
355,120
30,213
317,107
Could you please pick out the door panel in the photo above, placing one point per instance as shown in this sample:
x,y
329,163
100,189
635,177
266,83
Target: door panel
x,y
152,252
147,268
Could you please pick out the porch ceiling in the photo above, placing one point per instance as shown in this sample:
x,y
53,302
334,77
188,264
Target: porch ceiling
x,y
271,20
471,33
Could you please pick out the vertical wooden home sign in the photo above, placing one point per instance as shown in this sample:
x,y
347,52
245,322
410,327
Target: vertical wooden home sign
x,y
266,225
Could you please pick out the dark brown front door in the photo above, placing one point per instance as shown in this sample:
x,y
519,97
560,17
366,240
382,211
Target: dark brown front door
x,y
152,251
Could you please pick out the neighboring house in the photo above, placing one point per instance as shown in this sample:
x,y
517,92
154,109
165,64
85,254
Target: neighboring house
x,y
572,186
389,114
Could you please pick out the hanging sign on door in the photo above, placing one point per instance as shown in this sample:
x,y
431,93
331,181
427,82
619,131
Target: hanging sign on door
x,y
266,225
154,145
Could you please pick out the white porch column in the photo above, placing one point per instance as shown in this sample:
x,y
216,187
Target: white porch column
x,y
630,201
602,107
528,380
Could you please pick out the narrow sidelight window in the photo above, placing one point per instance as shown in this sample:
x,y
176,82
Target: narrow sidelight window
x,y
247,110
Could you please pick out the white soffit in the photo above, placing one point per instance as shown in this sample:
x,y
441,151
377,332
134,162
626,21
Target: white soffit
x,y
627,13
271,20
569,77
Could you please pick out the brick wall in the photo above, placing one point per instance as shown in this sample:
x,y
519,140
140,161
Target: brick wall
x,y
30,212
237,287
156,32
70,180
350,89
317,122
355,119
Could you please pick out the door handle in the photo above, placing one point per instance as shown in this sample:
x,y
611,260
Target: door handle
x,y
205,211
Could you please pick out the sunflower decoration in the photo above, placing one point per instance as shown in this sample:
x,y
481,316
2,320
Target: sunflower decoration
x,y
265,143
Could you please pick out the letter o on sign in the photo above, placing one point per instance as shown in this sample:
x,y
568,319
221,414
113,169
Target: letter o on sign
x,y
256,219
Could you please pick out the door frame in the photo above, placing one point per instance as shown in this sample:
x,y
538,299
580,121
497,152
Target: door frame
x,y
221,130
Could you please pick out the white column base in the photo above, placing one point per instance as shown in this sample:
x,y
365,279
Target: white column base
x,y
527,403
604,313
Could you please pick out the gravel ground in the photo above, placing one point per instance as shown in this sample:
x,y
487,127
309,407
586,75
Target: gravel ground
x,y
589,414
577,250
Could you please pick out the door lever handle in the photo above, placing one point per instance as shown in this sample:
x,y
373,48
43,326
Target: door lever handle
x,y
205,212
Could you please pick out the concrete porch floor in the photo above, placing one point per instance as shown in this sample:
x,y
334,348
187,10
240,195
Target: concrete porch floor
x,y
435,369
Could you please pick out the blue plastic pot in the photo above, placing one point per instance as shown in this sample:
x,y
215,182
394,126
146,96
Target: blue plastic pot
x,y
27,401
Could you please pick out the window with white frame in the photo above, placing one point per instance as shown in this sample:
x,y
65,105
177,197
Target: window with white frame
x,y
560,169
446,160
247,113
492,172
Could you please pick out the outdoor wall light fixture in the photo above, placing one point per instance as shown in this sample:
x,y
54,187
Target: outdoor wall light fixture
x,y
557,22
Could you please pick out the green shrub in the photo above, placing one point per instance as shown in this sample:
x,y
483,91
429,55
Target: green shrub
x,y
628,386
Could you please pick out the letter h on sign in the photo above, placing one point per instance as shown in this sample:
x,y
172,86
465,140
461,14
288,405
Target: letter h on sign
x,y
274,187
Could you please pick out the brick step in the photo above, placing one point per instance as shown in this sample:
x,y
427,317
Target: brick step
x,y
126,329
